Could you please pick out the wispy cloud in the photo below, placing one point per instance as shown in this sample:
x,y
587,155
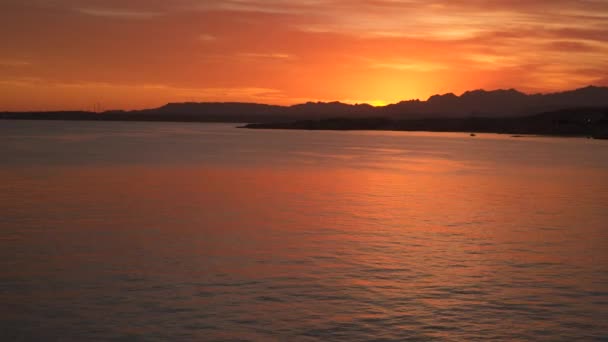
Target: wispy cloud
x,y
236,93
22,81
215,93
262,6
440,19
119,13
207,37
418,66
197,92
492,61
161,92
14,63
273,55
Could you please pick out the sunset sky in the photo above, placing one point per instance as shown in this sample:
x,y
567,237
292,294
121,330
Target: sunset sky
x,y
72,54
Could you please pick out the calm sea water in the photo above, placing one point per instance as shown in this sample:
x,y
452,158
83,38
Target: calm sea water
x,y
170,231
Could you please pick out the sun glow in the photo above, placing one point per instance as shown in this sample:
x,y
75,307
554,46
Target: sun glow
x,y
378,103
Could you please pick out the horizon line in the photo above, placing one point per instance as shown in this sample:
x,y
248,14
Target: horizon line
x,y
98,104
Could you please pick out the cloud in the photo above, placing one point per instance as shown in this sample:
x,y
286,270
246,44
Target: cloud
x,y
492,61
440,19
209,91
602,81
22,81
275,55
173,89
253,94
207,37
14,63
36,86
261,6
574,46
418,66
119,13
235,93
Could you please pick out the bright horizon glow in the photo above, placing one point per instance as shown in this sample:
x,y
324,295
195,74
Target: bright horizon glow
x,y
68,54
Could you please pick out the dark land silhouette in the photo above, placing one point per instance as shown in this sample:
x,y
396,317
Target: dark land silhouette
x,y
578,112
590,122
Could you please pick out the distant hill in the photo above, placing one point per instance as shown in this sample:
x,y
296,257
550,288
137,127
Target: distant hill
x,y
497,103
477,103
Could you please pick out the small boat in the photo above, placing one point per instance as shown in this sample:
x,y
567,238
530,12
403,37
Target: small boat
x,y
472,134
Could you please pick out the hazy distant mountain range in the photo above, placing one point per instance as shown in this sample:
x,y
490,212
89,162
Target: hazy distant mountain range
x,y
480,103
477,103
580,112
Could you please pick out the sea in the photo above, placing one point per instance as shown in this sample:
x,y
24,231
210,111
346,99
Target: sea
x,y
141,231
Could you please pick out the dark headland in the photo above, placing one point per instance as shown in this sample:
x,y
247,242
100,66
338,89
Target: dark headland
x,y
580,112
588,122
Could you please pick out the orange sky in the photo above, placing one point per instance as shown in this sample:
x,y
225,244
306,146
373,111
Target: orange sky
x,y
71,54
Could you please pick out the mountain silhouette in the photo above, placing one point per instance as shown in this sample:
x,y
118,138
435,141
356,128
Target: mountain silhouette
x,y
477,103
480,103
497,103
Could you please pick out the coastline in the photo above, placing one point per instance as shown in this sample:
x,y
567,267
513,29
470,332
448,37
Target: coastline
x,y
587,122
516,127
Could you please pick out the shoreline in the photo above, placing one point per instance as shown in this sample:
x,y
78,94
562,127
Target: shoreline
x,y
297,126
515,127
510,135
